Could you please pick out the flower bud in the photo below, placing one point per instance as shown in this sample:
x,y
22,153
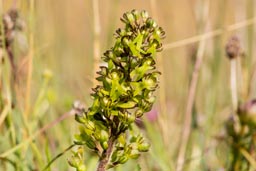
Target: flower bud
x,y
144,15
233,47
131,118
90,125
151,23
134,154
104,145
90,144
135,14
123,159
104,135
144,147
138,113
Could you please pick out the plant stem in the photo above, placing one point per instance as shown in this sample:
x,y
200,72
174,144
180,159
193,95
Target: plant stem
x,y
233,83
96,42
104,159
248,157
59,155
163,120
250,33
191,97
30,60
210,34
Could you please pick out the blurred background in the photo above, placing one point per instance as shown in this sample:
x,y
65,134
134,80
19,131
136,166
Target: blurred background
x,y
56,54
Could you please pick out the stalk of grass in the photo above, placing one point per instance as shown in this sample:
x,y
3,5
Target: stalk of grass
x,y
48,154
210,34
114,12
163,117
30,70
96,41
4,73
233,52
5,88
58,156
240,137
28,110
250,32
163,120
5,112
248,157
30,58
7,99
7,107
3,45
211,106
191,96
233,83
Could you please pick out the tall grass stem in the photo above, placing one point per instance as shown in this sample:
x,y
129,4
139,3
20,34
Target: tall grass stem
x,y
233,83
30,58
210,34
162,93
191,96
96,41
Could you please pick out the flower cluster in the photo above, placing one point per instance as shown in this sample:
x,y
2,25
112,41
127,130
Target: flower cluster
x,y
126,93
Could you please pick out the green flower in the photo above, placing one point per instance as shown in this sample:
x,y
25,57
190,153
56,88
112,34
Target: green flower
x,y
126,91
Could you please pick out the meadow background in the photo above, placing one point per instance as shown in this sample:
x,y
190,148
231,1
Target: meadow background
x,y
56,55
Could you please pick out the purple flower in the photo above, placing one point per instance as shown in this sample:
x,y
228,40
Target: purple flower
x,y
152,115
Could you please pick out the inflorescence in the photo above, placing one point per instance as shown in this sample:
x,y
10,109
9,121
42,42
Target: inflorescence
x,y
125,93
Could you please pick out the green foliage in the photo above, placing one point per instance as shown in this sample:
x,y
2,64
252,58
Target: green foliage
x,y
76,160
126,92
241,132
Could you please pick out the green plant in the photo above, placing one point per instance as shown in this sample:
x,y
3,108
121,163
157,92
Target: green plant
x,y
125,93
241,125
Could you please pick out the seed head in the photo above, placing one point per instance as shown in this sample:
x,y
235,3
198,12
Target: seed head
x,y
233,47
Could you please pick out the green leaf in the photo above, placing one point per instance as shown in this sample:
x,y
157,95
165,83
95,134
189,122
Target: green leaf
x,y
117,90
123,159
110,64
140,72
80,119
114,112
135,51
152,49
137,88
78,139
127,105
138,41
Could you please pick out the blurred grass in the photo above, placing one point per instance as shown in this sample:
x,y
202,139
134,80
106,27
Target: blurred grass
x,y
63,43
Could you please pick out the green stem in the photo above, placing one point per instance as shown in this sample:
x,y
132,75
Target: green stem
x,y
58,156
